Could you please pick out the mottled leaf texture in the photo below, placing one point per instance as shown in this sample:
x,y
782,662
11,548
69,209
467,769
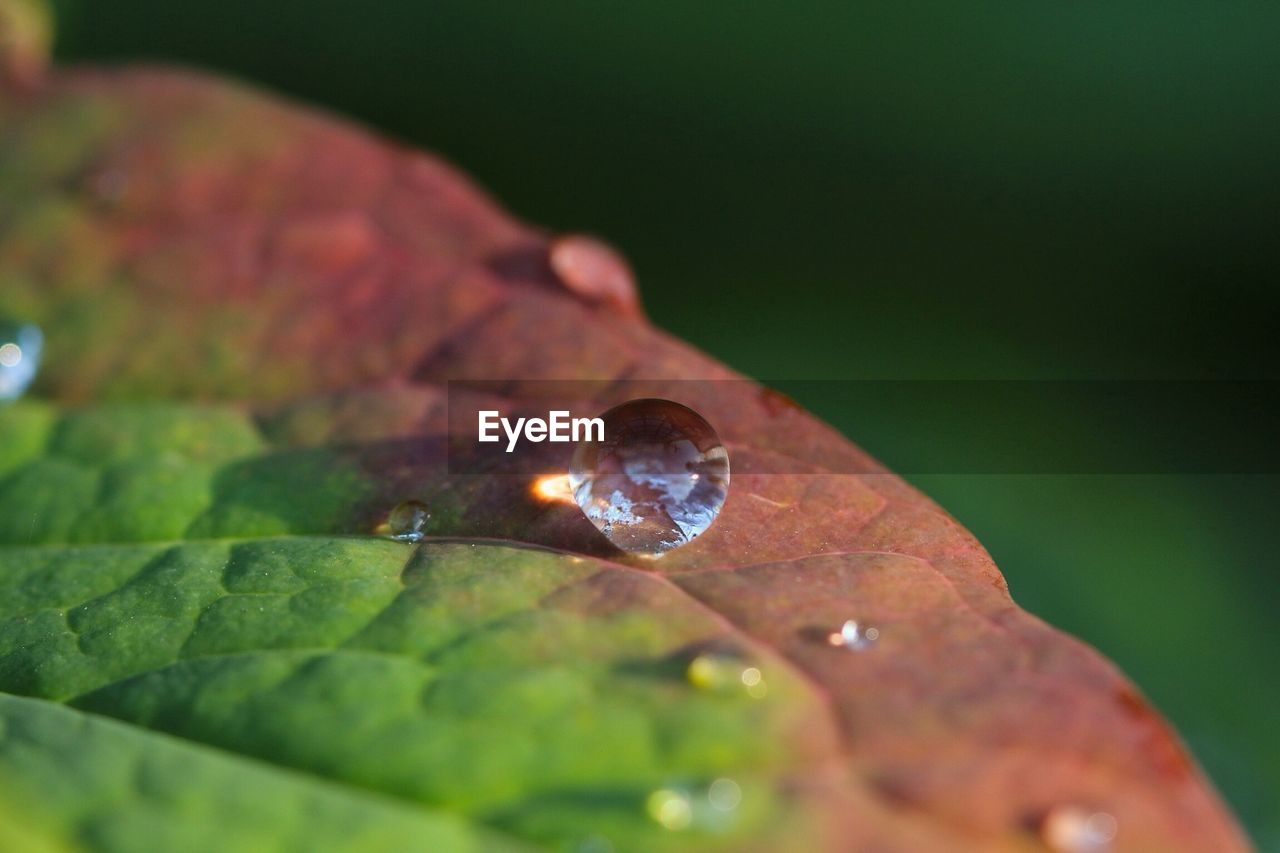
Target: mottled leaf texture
x,y
250,313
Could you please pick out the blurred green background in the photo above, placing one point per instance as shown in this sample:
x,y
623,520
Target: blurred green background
x,y
825,190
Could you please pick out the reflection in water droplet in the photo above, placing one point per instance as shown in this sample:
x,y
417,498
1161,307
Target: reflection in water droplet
x,y
553,487
408,521
852,636
1071,829
21,345
656,481
670,808
724,794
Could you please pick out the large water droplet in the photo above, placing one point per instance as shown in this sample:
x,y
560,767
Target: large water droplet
x,y
656,481
408,521
20,346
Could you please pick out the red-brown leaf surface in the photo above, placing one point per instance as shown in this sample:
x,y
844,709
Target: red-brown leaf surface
x,y
181,238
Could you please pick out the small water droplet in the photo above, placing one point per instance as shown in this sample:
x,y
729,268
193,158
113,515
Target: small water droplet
x,y
1071,829
724,794
595,271
853,636
408,521
707,672
670,808
21,345
754,682
726,673
776,403
656,481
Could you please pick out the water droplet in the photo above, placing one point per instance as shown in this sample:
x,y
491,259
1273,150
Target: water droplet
x,y
670,808
656,481
754,682
708,672
724,794
1071,829
725,673
776,403
408,521
594,271
20,348
853,636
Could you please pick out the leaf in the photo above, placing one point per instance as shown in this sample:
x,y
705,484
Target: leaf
x,y
251,313
91,782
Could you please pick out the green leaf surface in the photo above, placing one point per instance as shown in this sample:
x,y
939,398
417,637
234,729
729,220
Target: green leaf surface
x,y
90,783
474,678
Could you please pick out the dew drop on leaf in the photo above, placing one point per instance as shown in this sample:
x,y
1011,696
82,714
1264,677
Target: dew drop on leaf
x,y
753,681
670,808
656,481
725,674
408,521
20,348
708,672
594,271
1071,829
680,804
724,794
853,636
